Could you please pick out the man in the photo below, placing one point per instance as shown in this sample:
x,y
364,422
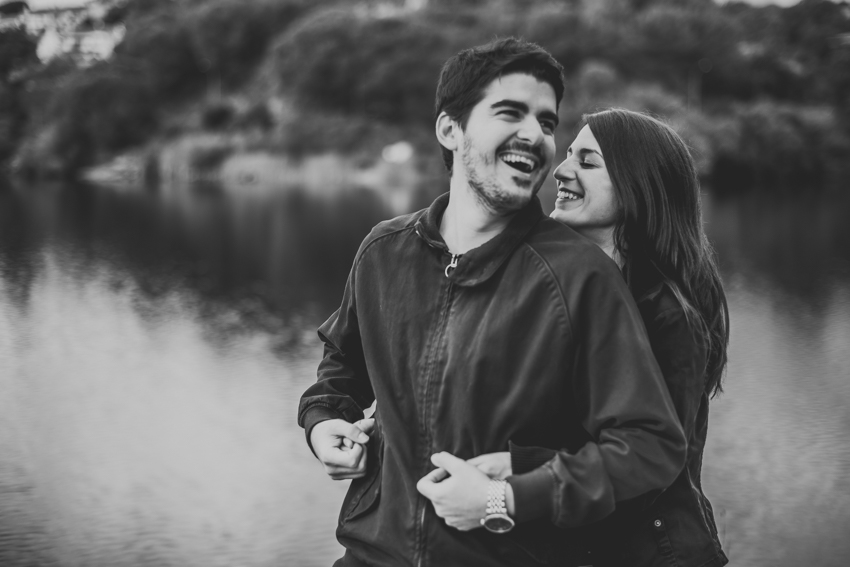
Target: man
x,y
476,323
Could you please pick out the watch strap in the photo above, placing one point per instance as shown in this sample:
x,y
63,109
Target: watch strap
x,y
496,497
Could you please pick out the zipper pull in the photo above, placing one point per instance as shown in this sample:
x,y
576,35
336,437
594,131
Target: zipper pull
x,y
453,264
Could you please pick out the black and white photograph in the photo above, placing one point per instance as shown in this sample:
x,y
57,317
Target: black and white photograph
x,y
424,283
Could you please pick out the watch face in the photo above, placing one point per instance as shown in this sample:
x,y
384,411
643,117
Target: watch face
x,y
498,523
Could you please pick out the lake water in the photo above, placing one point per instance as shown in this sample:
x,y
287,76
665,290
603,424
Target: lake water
x,y
154,344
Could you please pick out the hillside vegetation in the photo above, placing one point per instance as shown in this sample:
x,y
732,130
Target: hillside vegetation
x,y
761,94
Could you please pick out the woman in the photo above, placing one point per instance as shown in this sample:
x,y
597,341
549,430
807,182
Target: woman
x,y
629,184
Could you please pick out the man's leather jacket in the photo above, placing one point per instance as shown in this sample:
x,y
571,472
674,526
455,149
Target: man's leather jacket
x,y
533,338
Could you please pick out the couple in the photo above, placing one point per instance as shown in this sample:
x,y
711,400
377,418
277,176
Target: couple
x,y
542,384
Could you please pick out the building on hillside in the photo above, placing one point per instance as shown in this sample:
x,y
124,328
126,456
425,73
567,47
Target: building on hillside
x,y
75,28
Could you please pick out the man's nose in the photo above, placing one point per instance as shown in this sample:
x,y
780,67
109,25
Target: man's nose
x,y
530,131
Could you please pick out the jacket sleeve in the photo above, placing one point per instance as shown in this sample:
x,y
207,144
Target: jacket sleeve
x,y
681,356
343,389
622,402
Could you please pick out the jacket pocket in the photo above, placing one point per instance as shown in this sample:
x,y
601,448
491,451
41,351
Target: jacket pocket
x,y
365,492
526,542
662,538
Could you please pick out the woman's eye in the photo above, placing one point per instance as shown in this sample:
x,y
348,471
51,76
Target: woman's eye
x,y
587,164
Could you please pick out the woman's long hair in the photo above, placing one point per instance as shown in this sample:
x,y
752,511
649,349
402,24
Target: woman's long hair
x,y
660,222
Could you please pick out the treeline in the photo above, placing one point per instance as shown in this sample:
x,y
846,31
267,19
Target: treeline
x,y
761,93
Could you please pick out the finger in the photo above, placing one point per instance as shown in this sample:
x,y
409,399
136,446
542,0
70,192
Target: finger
x,y
437,475
361,457
486,468
366,425
482,463
352,432
427,487
343,458
347,442
449,462
346,475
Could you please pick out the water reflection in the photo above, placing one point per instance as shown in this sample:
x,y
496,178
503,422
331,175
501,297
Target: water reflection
x,y
288,251
797,245
127,438
153,347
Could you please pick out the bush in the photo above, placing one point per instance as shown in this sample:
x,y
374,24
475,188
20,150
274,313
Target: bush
x,y
100,111
217,116
159,48
232,37
382,68
17,50
782,147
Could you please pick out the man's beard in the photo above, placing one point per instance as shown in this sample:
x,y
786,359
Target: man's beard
x,y
489,191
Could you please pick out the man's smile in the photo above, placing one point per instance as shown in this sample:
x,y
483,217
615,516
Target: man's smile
x,y
520,161
521,157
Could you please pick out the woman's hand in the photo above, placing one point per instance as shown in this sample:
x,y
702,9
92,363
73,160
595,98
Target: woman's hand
x,y
494,465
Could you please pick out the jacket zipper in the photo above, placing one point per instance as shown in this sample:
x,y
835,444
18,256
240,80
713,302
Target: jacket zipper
x,y
419,548
452,265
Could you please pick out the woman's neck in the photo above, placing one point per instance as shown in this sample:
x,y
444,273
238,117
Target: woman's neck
x,y
604,238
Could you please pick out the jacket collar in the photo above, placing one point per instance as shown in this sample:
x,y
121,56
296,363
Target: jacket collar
x,y
479,264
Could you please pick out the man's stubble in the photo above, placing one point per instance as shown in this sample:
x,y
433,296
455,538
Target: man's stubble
x,y
488,190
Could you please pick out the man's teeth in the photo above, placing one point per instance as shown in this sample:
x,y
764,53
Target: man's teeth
x,y
519,162
564,194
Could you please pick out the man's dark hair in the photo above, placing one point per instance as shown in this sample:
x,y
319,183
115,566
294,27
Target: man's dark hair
x,y
465,76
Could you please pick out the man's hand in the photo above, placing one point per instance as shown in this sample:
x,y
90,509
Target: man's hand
x,y
461,498
339,445
494,465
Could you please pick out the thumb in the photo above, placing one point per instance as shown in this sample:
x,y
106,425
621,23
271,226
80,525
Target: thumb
x,y
452,464
428,487
366,425
351,431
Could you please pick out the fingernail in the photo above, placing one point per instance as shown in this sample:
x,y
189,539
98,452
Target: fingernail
x,y
362,438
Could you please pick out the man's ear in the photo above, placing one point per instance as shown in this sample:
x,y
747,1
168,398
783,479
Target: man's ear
x,y
448,132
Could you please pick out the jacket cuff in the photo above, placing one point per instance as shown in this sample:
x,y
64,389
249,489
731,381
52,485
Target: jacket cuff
x,y
315,416
526,459
534,494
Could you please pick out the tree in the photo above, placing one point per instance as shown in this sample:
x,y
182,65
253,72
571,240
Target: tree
x,y
17,50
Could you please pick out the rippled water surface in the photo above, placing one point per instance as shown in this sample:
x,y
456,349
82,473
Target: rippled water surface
x,y
153,347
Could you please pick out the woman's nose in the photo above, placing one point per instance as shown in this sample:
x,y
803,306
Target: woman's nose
x,y
565,171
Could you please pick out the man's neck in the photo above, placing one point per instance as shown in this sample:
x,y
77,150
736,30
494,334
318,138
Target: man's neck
x,y
468,223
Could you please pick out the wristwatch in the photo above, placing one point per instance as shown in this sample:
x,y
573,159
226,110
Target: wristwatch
x,y
496,517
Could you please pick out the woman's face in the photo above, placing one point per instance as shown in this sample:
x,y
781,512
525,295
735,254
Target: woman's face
x,y
586,200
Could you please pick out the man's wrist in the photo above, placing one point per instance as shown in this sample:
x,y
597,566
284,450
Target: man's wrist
x,y
497,518
315,416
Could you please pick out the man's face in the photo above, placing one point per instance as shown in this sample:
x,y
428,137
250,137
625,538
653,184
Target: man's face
x,y
509,142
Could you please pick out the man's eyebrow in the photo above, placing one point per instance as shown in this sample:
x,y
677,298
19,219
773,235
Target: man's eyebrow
x,y
516,105
547,115
522,107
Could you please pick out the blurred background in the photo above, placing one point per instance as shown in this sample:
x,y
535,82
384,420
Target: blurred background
x,y
185,184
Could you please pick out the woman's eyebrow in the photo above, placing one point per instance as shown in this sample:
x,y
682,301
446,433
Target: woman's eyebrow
x,y
584,151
